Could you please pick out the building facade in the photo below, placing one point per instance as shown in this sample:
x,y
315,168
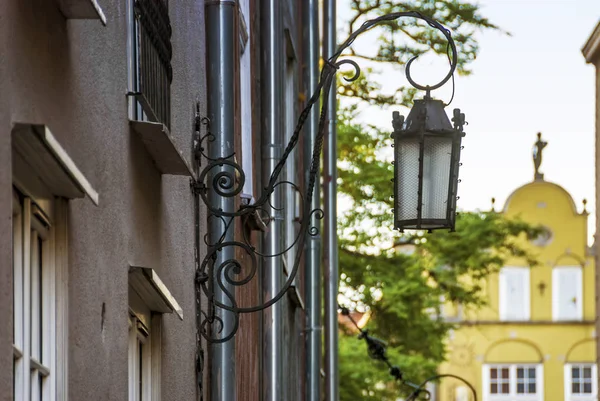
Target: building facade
x,y
536,338
101,233
591,53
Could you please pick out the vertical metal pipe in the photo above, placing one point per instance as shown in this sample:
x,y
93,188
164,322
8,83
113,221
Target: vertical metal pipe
x,y
312,258
330,232
272,58
220,57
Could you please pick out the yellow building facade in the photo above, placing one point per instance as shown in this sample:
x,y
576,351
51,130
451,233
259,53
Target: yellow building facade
x,y
535,340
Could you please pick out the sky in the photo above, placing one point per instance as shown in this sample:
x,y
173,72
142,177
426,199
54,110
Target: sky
x,y
535,80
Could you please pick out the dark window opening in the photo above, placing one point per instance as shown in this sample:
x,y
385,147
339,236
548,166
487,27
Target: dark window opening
x,y
152,61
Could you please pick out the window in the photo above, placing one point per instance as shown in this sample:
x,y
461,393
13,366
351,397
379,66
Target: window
x,y
514,293
34,317
149,298
246,98
292,199
567,293
290,172
140,360
149,60
544,238
500,380
142,380
512,382
580,382
44,178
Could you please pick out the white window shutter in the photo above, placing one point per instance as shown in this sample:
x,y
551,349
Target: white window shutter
x,y
567,293
514,293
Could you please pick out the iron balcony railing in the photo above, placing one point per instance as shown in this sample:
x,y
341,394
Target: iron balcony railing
x,y
154,52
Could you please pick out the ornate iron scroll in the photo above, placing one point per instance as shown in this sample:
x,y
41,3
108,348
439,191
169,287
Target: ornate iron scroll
x,y
225,177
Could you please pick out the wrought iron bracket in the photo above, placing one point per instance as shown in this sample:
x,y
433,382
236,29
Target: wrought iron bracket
x,y
223,178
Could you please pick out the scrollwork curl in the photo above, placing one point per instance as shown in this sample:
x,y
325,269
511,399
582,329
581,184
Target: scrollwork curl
x,y
205,329
313,231
209,137
353,64
224,183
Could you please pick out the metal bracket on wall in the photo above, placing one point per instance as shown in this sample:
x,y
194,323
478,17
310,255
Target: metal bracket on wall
x,y
222,178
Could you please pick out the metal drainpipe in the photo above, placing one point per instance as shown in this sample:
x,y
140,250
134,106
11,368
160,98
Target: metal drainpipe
x,y
330,207
220,48
272,59
312,259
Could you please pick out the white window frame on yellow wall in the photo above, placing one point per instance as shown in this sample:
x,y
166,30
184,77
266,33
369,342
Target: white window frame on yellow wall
x,y
507,311
592,380
513,382
560,276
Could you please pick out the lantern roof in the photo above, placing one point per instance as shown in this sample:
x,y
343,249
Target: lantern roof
x,y
427,115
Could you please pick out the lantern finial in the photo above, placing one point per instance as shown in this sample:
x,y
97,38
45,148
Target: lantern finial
x,y
397,120
459,120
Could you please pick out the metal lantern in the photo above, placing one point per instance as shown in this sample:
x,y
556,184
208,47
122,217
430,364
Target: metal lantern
x,y
426,160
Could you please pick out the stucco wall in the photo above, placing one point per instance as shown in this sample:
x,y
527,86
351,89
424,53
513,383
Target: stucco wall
x,y
6,329
72,76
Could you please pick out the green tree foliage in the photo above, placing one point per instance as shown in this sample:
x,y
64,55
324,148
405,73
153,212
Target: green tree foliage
x,y
405,294
404,280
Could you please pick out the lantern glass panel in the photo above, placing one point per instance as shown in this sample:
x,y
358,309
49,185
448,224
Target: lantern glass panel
x,y
407,178
437,155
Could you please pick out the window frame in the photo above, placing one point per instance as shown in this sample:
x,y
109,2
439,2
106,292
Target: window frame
x,y
140,379
512,381
44,173
502,293
18,300
39,332
142,101
290,171
568,381
556,291
245,93
145,328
